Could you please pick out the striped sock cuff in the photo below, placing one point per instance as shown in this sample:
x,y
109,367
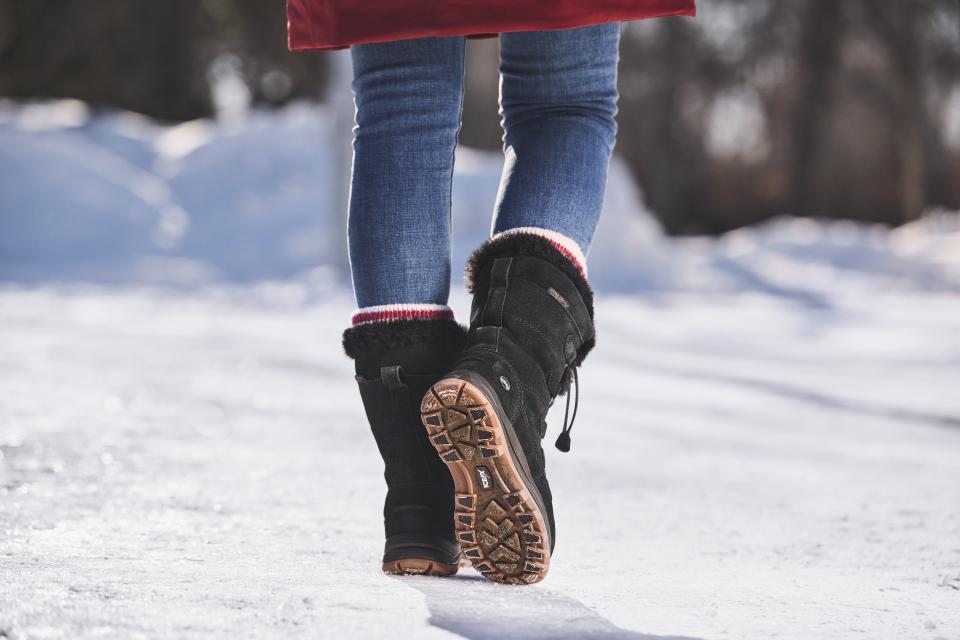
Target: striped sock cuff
x,y
565,245
391,312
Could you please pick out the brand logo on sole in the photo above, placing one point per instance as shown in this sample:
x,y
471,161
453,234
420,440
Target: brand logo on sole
x,y
484,477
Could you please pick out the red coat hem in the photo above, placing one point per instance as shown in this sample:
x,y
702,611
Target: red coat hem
x,y
307,30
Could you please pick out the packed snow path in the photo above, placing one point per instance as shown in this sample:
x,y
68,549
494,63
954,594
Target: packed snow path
x,y
198,466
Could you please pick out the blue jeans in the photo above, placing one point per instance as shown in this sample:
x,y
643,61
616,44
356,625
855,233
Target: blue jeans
x,y
558,101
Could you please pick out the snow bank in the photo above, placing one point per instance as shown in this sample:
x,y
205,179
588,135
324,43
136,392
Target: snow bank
x,y
116,198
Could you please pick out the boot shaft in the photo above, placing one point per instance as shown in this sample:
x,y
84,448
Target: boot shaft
x,y
396,362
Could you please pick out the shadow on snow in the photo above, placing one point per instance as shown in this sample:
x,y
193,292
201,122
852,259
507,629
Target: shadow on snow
x,y
475,608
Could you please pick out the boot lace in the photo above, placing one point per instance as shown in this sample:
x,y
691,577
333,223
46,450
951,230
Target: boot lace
x,y
563,440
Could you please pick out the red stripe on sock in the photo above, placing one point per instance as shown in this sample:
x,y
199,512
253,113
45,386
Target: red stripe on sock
x,y
569,254
401,314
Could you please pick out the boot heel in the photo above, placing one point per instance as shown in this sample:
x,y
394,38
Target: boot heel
x,y
419,567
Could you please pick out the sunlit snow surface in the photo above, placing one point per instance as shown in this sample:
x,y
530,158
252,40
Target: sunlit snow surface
x,y
768,442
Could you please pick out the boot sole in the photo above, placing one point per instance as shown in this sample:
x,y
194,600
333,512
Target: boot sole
x,y
419,567
500,525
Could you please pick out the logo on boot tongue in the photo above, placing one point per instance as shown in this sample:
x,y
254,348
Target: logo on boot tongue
x,y
483,475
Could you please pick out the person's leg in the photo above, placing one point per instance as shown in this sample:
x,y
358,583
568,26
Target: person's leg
x,y
558,102
531,322
408,96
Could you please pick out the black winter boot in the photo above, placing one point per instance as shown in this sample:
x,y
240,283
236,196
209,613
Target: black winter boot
x,y
396,363
531,326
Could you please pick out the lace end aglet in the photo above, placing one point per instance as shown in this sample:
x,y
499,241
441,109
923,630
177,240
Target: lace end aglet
x,y
563,442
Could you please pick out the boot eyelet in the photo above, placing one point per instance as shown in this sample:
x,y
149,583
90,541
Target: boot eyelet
x,y
505,383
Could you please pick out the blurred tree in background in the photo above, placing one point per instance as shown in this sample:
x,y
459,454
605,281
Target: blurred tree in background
x,y
806,107
157,58
834,108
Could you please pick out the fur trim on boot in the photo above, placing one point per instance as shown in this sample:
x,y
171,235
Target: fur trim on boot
x,y
529,243
374,337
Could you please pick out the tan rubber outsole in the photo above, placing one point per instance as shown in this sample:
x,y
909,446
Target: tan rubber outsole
x,y
499,525
419,567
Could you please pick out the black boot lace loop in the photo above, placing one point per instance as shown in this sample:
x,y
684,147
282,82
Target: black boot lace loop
x,y
563,440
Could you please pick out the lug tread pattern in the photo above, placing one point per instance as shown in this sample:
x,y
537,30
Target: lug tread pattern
x,y
499,527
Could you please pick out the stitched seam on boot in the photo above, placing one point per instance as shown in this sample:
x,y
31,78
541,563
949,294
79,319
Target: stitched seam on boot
x,y
486,303
503,302
547,339
539,397
415,434
566,310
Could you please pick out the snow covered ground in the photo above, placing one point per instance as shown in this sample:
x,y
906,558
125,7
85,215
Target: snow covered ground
x,y
768,443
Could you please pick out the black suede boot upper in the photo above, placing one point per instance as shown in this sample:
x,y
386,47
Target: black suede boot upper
x,y
396,362
531,324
